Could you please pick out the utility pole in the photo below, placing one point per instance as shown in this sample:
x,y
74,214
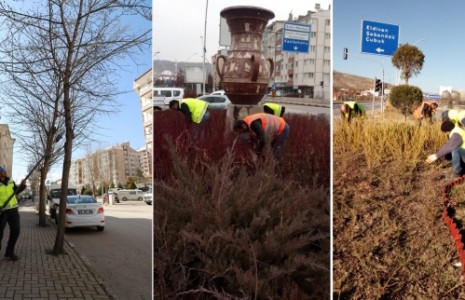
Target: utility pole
x,y
204,48
346,55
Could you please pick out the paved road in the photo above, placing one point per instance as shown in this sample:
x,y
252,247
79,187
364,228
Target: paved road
x,y
306,109
122,253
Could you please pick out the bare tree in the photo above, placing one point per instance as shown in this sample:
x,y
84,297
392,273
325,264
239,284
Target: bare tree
x,y
83,41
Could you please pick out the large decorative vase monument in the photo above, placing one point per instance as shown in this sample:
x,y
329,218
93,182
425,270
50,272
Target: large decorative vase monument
x,y
245,72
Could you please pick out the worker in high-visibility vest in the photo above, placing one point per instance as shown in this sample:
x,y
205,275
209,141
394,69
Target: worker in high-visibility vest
x,y
274,109
9,211
454,148
262,125
197,115
352,109
426,110
455,115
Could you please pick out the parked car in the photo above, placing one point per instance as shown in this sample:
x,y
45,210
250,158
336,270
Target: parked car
x,y
219,92
218,102
163,95
148,197
125,195
83,211
53,198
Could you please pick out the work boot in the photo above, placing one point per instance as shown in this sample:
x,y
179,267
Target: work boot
x,y
12,256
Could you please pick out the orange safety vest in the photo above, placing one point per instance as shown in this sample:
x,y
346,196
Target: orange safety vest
x,y
271,124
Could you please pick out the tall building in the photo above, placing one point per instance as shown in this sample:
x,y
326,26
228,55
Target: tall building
x,y
143,86
302,74
104,167
6,148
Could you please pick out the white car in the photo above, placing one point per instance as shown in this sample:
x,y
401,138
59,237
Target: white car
x,y
83,211
148,197
216,102
219,92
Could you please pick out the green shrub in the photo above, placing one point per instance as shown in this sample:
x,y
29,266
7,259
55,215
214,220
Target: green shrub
x,y
405,97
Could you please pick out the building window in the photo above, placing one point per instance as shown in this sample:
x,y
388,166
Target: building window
x,y
312,48
326,62
308,75
327,36
327,50
327,22
310,61
313,34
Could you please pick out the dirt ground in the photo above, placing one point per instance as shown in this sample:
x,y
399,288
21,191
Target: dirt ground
x,y
390,240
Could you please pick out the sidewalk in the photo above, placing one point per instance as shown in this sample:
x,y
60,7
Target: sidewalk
x,y
39,275
299,101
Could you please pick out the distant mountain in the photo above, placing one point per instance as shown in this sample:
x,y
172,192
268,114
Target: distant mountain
x,y
352,82
160,66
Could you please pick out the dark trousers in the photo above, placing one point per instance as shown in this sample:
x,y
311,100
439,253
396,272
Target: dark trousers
x,y
10,216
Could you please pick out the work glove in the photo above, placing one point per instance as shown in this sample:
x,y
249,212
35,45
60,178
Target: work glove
x,y
431,158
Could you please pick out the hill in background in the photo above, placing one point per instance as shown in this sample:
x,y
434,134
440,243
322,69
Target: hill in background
x,y
352,82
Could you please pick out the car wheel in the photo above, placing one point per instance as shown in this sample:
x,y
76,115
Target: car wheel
x,y
125,199
100,228
139,199
149,203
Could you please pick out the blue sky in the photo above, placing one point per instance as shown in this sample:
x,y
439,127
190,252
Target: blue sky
x,y
122,126
436,29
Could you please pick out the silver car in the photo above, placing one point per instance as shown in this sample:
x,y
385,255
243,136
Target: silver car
x,y
216,102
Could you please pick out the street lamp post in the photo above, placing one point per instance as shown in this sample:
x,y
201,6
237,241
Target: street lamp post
x,y
204,47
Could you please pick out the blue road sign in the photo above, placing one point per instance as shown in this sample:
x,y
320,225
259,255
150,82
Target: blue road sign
x,y
433,96
296,37
379,38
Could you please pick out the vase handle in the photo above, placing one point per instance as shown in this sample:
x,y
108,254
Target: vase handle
x,y
271,67
255,67
220,72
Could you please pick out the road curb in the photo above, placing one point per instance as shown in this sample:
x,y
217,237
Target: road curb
x,y
86,263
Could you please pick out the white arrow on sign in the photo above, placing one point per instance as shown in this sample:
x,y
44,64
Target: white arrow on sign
x,y
379,50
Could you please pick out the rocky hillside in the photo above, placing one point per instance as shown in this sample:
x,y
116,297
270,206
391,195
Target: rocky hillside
x,y
352,82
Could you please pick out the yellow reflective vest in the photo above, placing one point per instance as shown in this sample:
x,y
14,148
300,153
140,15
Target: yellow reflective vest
x,y
455,115
276,108
5,193
197,108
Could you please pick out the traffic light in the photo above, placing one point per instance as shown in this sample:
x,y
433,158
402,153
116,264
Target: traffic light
x,y
322,83
346,52
378,85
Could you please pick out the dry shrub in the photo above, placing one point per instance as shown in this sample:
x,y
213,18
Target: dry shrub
x,y
308,145
225,227
390,241
224,231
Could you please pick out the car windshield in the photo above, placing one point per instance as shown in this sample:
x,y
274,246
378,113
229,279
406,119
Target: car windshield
x,y
81,199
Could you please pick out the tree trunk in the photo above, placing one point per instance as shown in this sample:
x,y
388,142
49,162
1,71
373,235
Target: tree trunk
x,y
42,197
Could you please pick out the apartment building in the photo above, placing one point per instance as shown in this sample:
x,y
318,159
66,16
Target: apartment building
x,y
6,148
302,74
143,86
112,165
